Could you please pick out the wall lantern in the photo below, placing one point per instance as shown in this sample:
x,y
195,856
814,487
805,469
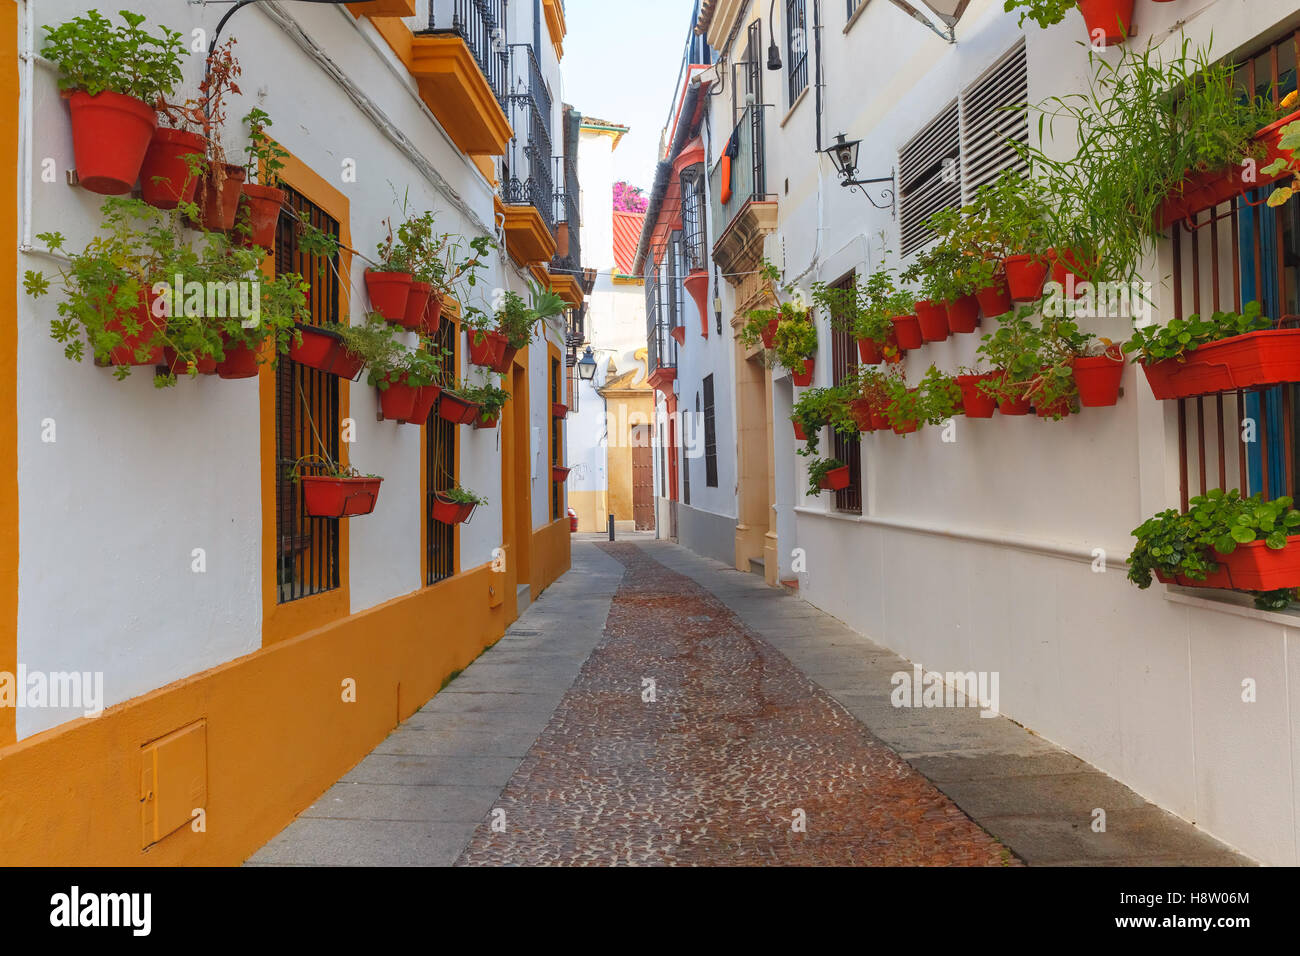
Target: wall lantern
x,y
773,51
844,154
947,11
587,365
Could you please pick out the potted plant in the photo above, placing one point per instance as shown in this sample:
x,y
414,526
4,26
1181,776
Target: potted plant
x,y
827,474
975,401
113,76
516,321
1012,209
220,184
333,490
457,407
447,264
490,399
260,194
795,342
388,281
815,409
1225,541
1110,19
340,349
455,505
864,310
933,401
1098,374
407,379
1225,352
176,156
560,473
968,274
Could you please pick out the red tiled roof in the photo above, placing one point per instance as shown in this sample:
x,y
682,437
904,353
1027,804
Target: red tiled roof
x,y
627,236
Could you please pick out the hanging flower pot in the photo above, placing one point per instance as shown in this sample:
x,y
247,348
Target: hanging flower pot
x,y
879,420
560,473
432,314
263,204
963,314
150,327
974,401
110,137
327,497
417,306
995,299
1065,267
204,364
679,334
1253,360
388,293
457,410
219,207
507,356
1057,409
486,420
803,378
446,511
166,179
904,428
768,335
861,411
837,479
240,361
397,402
1114,18
908,331
559,410
1025,277
482,348
1216,579
426,398
869,352
933,320
1098,378
323,349
799,432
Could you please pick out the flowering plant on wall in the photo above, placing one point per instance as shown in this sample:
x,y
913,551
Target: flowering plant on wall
x,y
629,198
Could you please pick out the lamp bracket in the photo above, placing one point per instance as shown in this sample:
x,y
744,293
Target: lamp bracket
x,y
887,200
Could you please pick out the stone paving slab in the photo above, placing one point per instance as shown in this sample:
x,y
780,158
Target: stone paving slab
x,y
1032,795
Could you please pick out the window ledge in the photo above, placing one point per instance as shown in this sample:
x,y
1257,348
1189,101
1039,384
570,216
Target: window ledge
x,y
795,105
1227,602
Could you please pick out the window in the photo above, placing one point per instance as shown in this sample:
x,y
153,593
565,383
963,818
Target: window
x,y
848,449
306,422
557,437
686,458
440,468
929,178
693,218
853,8
796,43
710,436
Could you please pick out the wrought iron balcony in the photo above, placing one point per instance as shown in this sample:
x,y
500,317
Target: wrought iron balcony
x,y
749,209
482,25
662,304
569,256
528,178
526,80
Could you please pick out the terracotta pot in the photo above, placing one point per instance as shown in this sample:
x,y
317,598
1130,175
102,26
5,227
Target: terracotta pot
x,y
560,473
425,400
482,349
768,335
240,361
506,358
559,410
1113,17
837,479
323,349
963,314
995,299
204,365
446,511
1064,265
869,352
1253,360
1098,379
861,410
908,331
397,402
166,179
974,402
110,137
457,410
803,379
389,292
339,497
263,204
933,320
1257,567
433,314
220,207
150,327
799,432
486,421
1025,277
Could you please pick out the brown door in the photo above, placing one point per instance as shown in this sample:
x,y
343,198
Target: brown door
x,y
643,477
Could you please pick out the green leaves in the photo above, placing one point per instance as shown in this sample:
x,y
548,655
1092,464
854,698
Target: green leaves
x,y
95,56
1157,343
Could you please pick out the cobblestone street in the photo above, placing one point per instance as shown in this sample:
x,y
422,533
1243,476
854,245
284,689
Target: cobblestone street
x,y
770,740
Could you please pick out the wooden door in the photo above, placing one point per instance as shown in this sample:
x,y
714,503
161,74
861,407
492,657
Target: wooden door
x,y
643,479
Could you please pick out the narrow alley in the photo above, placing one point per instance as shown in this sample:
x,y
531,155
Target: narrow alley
x,y
658,708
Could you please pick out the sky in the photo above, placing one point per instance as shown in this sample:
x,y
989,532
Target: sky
x,y
621,60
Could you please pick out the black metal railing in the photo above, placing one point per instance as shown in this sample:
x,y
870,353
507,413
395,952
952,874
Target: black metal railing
x,y
529,180
748,169
526,80
440,471
567,193
660,345
482,25
693,226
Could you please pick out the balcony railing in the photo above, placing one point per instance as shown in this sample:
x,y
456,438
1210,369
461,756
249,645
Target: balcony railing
x,y
566,212
748,170
529,180
660,345
526,80
482,25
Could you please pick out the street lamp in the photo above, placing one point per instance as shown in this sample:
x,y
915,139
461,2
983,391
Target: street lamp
x,y
844,155
773,51
587,365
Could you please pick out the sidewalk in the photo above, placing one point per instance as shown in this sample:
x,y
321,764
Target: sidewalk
x,y
752,722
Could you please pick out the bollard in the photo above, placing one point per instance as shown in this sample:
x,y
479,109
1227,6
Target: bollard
x,y
611,527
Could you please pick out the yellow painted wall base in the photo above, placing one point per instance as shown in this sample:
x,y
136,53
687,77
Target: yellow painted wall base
x,y
278,733
551,556
592,508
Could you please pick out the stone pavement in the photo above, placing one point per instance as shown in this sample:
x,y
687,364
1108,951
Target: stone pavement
x,y
766,712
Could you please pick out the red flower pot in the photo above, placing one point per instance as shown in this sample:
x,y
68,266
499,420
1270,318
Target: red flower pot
x,y
1216,579
426,398
908,331
1025,277
1019,406
457,410
559,410
1257,567
240,361
1098,378
905,428
768,335
482,348
166,179
417,304
1057,409
560,473
324,350
451,512
1065,267
204,364
869,352
397,402
110,137
879,420
861,410
432,314
837,479
974,402
963,314
1114,17
487,421
933,320
150,327
388,293
263,204
1253,360
803,379
219,207
799,432
325,497
995,299
506,356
